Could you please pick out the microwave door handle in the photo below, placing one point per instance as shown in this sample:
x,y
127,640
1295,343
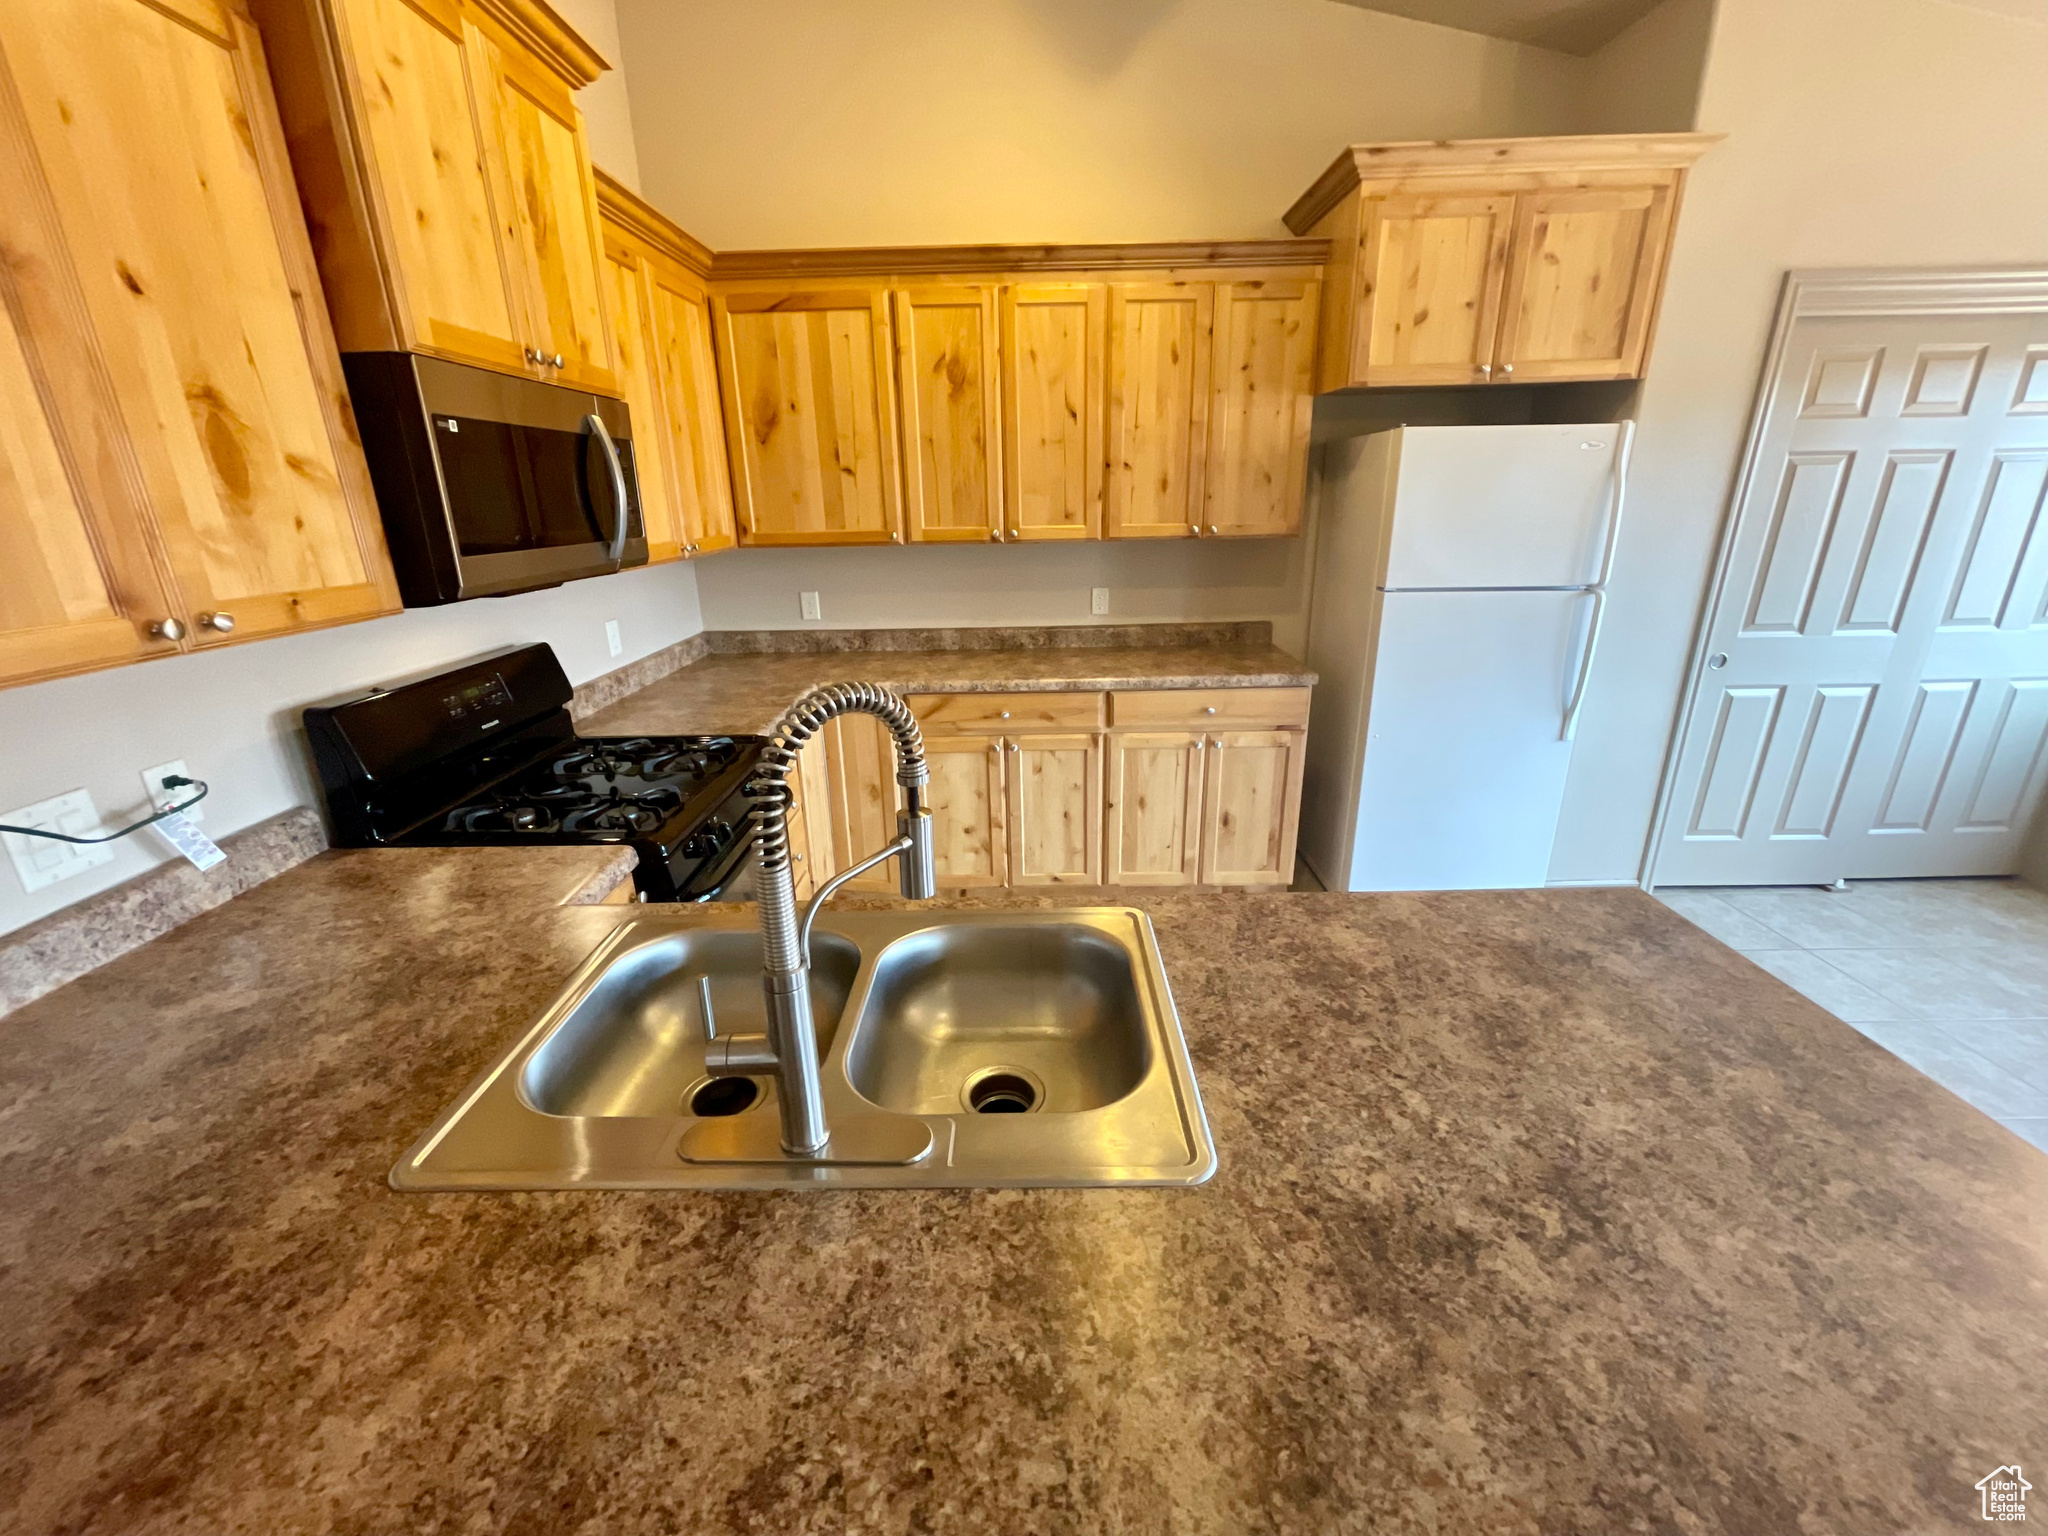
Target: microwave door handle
x,y
618,470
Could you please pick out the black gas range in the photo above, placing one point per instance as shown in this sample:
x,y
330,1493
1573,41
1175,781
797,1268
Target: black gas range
x,y
486,753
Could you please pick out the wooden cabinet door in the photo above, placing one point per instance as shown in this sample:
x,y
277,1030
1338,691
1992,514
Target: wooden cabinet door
x,y
159,143
1054,336
946,372
810,416
1431,288
546,174
629,302
696,430
1252,807
79,588
1158,408
424,108
1583,282
969,845
1055,804
860,775
1153,820
1265,356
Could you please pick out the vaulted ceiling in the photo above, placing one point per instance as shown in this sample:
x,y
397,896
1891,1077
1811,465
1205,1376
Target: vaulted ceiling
x,y
1572,26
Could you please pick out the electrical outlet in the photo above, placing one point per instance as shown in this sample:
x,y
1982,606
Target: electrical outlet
x,y
160,797
42,861
812,608
1098,600
611,636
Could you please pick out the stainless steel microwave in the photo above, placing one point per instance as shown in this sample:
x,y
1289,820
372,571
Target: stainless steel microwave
x,y
491,484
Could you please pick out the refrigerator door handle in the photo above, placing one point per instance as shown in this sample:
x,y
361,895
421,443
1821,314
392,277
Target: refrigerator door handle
x,y
1569,728
1617,502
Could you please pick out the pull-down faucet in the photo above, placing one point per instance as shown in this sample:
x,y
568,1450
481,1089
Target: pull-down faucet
x,y
790,1048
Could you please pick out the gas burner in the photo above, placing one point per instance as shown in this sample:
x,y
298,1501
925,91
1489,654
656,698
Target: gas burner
x,y
614,816
503,816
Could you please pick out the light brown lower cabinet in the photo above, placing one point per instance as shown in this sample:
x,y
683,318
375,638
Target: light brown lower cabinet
x,y
1041,789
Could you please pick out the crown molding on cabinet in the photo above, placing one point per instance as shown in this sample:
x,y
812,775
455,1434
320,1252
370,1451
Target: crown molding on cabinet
x,y
891,261
1357,164
541,29
627,208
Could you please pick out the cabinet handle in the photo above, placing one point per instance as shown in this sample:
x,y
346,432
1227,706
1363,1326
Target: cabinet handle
x,y
896,538
1210,710
219,623
1507,367
1212,530
799,858
1195,530
167,629
1003,715
558,362
1487,369
1013,533
995,535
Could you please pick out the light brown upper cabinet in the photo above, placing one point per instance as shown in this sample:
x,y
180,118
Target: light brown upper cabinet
x,y
1495,261
1054,340
810,414
1159,339
946,372
660,317
442,162
178,468
1263,358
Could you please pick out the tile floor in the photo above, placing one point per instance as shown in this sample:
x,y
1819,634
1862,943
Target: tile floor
x,y
1950,975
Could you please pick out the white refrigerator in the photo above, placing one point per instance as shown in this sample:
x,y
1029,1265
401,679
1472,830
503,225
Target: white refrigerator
x,y
1460,582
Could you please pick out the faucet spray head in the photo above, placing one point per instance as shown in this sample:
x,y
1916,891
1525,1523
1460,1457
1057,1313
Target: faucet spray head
x,y
917,874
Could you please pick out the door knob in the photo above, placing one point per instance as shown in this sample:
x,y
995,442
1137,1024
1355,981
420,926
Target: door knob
x,y
219,623
1718,660
167,629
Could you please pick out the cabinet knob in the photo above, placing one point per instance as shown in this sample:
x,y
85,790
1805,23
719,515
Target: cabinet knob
x,y
798,857
1003,715
995,535
1013,746
1013,533
219,623
1212,530
1210,710
1507,367
558,362
896,538
532,354
167,629
1194,530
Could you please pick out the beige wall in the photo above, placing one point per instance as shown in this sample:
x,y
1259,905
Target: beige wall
x,y
1861,133
1648,78
914,122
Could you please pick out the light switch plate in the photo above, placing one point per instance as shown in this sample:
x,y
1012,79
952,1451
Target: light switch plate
x,y
41,861
611,636
1098,600
159,797
812,608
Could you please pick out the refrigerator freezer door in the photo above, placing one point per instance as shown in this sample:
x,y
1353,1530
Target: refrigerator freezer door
x,y
1464,773
1502,506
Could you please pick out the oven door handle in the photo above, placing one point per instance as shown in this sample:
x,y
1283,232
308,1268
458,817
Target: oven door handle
x,y
618,470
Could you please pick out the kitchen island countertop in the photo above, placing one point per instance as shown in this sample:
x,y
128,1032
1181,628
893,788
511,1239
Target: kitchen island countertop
x,y
1537,1212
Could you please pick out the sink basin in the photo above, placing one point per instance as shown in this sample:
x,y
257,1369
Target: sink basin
x,y
1038,1048
963,1010
634,1043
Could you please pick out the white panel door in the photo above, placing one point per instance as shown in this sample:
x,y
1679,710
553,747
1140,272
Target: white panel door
x,y
1464,771
1876,700
1501,506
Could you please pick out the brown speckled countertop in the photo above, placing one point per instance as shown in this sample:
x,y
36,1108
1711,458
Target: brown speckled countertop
x,y
745,695
1537,1213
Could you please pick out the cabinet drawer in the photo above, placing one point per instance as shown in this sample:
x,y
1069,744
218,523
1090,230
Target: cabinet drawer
x,y
1220,708
1007,711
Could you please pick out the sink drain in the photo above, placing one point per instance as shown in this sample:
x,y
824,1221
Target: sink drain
x,y
724,1096
1002,1091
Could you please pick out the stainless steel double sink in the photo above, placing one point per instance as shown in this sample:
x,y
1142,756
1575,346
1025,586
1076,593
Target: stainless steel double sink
x,y
1040,1048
